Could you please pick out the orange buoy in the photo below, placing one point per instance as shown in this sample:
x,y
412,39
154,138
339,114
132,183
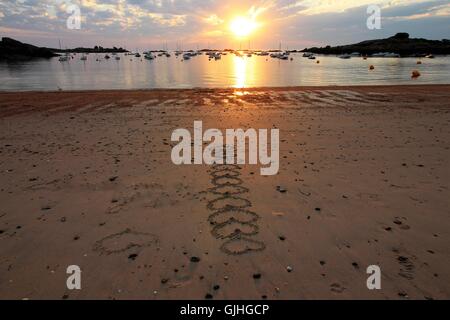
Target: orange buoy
x,y
415,74
371,67
318,61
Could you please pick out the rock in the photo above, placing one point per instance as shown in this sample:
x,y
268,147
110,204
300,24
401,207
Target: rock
x,y
11,49
133,256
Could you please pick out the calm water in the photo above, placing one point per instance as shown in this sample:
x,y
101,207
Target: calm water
x,y
231,71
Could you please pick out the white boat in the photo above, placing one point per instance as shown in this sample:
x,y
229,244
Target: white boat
x,y
186,56
149,56
391,55
312,58
64,58
345,56
307,54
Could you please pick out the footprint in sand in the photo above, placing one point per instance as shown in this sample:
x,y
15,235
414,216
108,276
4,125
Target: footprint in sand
x,y
125,241
406,267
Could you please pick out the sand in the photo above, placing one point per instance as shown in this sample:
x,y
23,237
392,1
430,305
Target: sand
x,y
86,179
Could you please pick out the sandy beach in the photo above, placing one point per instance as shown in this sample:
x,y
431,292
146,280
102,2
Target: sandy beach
x,y
86,179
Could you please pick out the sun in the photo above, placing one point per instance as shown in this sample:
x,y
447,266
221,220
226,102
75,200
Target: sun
x,y
242,27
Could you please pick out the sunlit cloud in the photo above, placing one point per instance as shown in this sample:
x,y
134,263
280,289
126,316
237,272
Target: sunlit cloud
x,y
296,23
213,20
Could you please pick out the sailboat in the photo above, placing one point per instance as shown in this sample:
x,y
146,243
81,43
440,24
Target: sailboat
x,y
65,57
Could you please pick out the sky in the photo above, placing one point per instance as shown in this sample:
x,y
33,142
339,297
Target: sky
x,y
192,24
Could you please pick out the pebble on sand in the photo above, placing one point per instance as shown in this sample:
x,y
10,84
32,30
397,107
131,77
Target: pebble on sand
x,y
132,256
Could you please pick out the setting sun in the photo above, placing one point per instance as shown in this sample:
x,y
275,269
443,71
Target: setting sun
x,y
242,27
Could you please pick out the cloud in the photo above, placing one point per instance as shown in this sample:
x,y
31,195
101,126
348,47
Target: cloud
x,y
148,23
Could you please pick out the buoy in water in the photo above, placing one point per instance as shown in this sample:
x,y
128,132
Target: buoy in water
x,y
371,67
415,74
318,61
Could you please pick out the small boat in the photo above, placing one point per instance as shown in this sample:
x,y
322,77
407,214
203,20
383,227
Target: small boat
x,y
137,55
307,54
312,58
345,56
186,56
149,56
107,57
117,57
429,56
64,58
391,55
83,58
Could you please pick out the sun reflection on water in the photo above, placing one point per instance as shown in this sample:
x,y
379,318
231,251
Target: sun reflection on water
x,y
240,71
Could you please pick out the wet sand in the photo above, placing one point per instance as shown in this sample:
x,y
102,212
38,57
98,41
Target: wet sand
x,y
86,179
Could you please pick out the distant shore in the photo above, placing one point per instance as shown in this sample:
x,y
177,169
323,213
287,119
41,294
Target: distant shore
x,y
400,44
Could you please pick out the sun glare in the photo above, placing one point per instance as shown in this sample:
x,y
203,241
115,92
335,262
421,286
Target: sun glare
x,y
242,27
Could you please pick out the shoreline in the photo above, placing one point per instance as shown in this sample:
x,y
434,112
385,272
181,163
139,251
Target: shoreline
x,y
269,88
